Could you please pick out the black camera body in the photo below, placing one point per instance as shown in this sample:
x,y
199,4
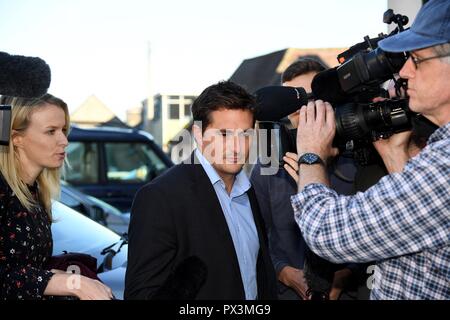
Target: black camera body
x,y
365,66
362,75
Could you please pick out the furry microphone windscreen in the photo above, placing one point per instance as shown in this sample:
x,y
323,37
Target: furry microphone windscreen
x,y
21,76
276,102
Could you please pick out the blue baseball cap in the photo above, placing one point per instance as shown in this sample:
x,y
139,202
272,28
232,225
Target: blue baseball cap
x,y
430,28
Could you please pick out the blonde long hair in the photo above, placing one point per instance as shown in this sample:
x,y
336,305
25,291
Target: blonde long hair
x,y
49,179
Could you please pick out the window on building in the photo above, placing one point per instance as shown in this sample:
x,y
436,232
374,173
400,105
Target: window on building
x,y
174,111
187,110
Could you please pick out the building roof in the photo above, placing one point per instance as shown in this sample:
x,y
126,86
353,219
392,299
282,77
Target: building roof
x,y
93,112
266,70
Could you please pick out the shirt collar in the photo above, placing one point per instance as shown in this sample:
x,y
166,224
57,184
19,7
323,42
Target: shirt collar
x,y
441,133
209,169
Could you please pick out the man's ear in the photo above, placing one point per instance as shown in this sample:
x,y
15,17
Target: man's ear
x,y
198,135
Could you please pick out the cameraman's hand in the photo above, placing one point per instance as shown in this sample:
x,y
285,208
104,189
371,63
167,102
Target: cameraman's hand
x,y
316,130
394,151
295,279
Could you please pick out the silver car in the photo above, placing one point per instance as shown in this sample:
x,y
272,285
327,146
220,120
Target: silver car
x,y
74,232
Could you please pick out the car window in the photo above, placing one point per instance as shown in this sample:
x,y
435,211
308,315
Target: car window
x,y
132,162
83,162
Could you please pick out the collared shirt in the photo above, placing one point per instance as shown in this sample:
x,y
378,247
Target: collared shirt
x,y
402,222
238,214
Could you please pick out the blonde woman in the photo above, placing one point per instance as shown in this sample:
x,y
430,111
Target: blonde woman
x,y
29,178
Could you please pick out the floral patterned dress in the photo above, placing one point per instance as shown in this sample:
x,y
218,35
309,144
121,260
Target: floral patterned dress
x,y
25,247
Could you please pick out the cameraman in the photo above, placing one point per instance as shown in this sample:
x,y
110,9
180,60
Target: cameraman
x,y
402,222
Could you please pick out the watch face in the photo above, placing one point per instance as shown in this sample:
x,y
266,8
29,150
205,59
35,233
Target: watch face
x,y
310,157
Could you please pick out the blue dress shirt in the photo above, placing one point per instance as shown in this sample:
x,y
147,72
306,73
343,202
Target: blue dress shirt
x,y
238,214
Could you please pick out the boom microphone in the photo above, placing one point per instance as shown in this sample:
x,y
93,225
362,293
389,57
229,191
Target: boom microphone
x,y
276,102
185,282
20,76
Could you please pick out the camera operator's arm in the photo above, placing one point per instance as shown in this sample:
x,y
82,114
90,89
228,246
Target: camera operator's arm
x,y
403,213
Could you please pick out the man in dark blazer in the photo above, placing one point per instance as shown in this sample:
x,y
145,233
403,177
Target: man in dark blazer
x,y
204,208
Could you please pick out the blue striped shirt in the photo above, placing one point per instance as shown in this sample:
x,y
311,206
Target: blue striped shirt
x,y
402,222
238,214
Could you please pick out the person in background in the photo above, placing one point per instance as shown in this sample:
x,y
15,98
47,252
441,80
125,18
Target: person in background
x,y
287,247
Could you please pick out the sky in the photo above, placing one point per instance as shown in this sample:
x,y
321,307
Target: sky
x,y
102,47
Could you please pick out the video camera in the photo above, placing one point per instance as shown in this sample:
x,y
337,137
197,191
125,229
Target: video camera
x,y
350,88
356,82
364,66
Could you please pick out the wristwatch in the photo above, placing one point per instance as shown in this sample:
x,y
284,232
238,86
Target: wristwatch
x,y
310,158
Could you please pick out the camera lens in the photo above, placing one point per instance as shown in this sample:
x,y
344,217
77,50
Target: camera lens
x,y
360,123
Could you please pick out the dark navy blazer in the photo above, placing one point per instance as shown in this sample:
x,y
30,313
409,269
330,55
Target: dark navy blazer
x,y
286,244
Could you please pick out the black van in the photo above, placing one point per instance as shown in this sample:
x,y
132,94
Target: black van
x,y
113,163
